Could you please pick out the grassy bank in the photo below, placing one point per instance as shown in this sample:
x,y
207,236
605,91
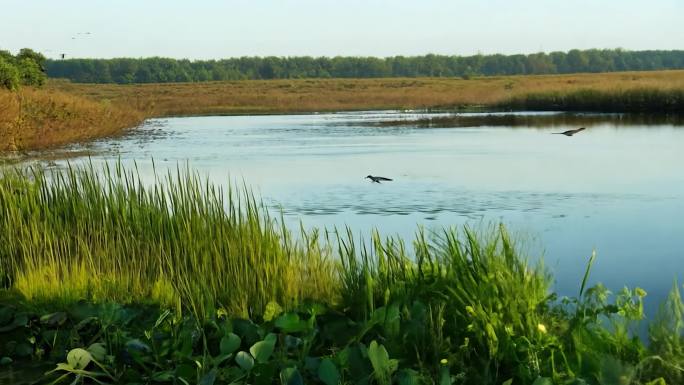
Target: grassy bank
x,y
182,282
38,118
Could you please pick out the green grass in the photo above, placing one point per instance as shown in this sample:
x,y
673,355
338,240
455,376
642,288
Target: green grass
x,y
180,281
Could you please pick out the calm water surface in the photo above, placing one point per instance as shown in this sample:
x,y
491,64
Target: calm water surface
x,y
617,187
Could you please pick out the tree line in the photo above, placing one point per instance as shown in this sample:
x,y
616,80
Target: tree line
x,y
24,68
161,70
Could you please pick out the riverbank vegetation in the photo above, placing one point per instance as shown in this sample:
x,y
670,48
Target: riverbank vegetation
x,y
35,118
32,117
166,70
181,282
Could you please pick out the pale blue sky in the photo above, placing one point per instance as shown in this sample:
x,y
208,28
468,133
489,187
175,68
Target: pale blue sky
x,y
203,29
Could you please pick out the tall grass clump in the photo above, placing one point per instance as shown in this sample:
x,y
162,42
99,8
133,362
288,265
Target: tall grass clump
x,y
102,235
475,301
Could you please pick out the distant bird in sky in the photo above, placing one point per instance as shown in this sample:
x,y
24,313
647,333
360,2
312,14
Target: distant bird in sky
x,y
377,179
570,132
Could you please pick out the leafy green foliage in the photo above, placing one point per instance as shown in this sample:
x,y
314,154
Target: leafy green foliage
x,y
328,373
128,344
9,75
26,68
383,367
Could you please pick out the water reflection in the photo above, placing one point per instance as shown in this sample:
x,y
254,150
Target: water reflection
x,y
514,119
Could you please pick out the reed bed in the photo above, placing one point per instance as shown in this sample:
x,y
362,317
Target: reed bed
x,y
84,234
651,100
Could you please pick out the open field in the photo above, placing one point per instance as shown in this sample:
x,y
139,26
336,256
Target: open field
x,y
64,112
159,283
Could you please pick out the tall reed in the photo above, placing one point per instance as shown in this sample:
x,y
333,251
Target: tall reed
x,y
102,235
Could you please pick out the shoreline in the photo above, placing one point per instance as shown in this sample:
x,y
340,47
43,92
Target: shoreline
x,y
63,113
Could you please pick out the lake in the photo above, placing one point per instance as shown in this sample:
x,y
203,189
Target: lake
x,y
617,188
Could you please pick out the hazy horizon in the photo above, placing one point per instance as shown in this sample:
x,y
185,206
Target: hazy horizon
x,y
213,30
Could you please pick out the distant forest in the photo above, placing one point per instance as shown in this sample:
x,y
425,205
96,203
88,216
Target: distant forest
x,y
162,70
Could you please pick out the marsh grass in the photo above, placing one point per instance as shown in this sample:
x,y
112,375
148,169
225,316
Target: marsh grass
x,y
652,100
38,118
102,235
314,95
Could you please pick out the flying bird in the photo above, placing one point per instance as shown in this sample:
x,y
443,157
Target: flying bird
x,y
570,132
377,179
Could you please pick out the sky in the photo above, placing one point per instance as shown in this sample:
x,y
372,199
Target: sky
x,y
211,29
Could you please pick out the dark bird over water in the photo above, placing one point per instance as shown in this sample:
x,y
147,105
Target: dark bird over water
x,y
377,179
570,132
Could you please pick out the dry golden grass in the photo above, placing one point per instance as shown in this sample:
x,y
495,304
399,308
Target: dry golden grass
x,y
40,118
65,112
308,95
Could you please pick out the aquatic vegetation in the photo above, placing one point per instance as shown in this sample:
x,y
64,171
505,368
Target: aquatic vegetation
x,y
106,279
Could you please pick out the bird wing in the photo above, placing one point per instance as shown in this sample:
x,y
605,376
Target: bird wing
x,y
382,178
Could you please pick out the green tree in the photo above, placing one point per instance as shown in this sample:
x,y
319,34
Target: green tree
x,y
156,69
30,72
9,75
27,53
